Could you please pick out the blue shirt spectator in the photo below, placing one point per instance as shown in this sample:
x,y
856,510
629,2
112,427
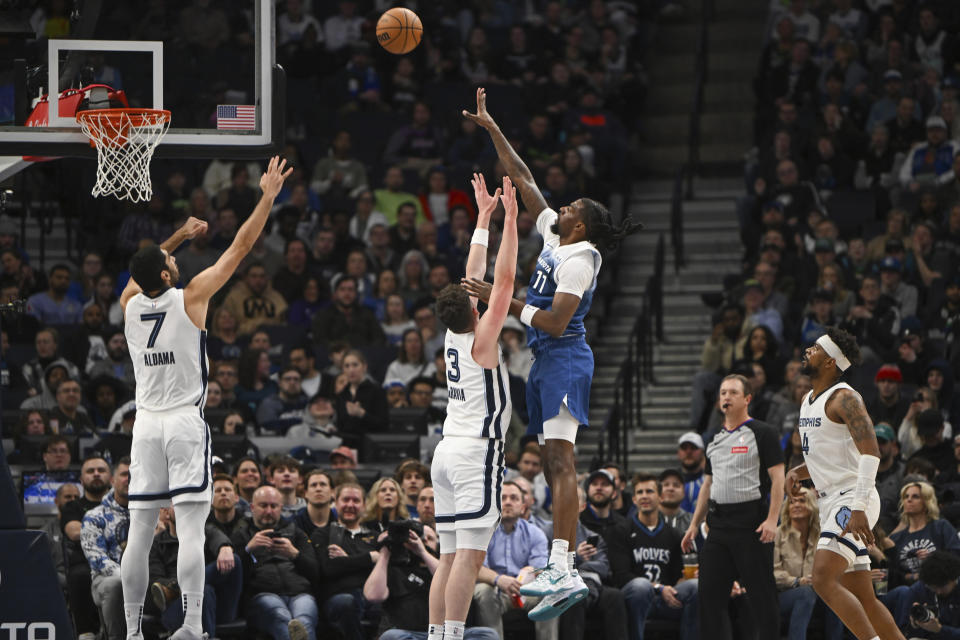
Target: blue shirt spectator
x,y
53,306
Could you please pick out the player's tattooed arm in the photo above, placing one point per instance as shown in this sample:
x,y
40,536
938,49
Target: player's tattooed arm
x,y
848,406
519,173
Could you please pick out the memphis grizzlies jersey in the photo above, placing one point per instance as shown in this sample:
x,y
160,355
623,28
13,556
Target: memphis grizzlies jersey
x,y
831,454
544,281
478,399
169,352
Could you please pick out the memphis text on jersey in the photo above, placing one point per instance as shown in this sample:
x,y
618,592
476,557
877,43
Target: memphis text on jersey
x,y
810,422
158,358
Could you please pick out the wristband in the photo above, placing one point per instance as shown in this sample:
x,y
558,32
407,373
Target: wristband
x,y
866,481
496,580
480,236
526,316
658,588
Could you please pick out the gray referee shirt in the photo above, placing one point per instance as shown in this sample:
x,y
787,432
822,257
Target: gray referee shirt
x,y
738,460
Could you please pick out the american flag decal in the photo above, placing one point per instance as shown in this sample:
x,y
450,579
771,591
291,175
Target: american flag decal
x,y
236,116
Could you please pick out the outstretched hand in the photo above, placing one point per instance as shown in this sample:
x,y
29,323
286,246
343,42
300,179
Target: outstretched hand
x,y
481,117
485,202
509,199
477,288
272,180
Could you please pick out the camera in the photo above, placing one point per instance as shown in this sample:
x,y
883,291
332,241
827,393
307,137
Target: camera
x,y
398,534
921,613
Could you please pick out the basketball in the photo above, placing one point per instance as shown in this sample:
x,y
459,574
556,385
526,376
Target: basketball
x,y
399,30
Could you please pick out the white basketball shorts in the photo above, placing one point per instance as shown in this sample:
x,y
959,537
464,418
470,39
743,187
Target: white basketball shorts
x,y
834,512
467,475
169,458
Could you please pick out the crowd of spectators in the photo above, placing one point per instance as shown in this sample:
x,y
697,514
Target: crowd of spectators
x,y
328,332
329,324
851,218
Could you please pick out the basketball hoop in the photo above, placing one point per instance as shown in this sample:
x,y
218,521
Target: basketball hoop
x,y
125,140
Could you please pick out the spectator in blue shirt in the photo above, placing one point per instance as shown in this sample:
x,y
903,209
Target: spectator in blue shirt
x,y
53,306
692,461
921,532
516,550
936,591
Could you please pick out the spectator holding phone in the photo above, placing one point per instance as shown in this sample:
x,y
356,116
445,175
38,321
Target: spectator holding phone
x,y
279,565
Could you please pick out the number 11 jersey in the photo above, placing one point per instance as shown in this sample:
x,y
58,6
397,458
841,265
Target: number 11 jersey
x,y
478,399
169,352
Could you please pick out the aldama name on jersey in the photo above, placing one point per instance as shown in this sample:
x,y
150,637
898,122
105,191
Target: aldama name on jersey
x,y
158,358
456,393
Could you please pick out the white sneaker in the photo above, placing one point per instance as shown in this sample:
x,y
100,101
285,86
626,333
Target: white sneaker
x,y
549,580
555,604
186,633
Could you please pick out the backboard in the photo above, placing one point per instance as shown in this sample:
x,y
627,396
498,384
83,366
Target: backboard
x,y
210,62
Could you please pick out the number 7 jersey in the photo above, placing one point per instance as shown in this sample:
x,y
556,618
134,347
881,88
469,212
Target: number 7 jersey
x,y
828,449
479,399
169,352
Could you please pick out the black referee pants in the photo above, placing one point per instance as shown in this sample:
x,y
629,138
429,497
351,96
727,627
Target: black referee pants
x,y
737,554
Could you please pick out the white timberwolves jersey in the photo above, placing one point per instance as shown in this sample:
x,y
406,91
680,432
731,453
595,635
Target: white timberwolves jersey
x,y
831,454
479,399
169,352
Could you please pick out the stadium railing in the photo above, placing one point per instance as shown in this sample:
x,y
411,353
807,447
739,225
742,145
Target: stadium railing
x,y
636,372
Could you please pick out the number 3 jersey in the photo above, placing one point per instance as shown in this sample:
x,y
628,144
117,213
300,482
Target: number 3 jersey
x,y
828,449
169,352
572,268
478,399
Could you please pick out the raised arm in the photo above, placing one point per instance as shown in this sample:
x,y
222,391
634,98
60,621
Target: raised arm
x,y
208,282
516,169
485,351
486,204
189,230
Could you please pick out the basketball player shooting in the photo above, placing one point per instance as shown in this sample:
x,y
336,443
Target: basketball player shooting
x,y
841,458
170,454
558,389
468,463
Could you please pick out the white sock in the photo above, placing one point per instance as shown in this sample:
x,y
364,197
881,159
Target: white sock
x,y
571,561
558,554
192,610
435,632
132,613
453,630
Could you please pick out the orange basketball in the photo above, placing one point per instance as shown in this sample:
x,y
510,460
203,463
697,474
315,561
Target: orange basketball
x,y
399,30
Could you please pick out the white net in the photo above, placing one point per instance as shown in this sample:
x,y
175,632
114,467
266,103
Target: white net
x,y
125,141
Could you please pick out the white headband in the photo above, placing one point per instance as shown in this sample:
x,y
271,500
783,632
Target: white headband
x,y
833,351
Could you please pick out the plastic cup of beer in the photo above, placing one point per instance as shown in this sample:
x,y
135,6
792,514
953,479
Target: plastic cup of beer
x,y
690,566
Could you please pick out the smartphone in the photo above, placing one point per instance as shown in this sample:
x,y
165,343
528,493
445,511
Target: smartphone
x,y
274,534
593,541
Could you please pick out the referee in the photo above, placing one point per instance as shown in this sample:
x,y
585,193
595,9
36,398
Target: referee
x,y
744,467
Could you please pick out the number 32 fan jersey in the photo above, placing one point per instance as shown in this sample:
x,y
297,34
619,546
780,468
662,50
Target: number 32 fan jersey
x,y
169,352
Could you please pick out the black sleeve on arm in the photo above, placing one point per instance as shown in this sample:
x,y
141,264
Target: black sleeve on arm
x,y
708,470
768,445
306,561
71,511
619,555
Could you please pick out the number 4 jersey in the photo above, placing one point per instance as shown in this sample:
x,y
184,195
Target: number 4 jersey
x,y
169,352
828,449
479,399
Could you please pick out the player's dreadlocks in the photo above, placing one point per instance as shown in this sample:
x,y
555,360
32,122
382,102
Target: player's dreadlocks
x,y
847,344
600,229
